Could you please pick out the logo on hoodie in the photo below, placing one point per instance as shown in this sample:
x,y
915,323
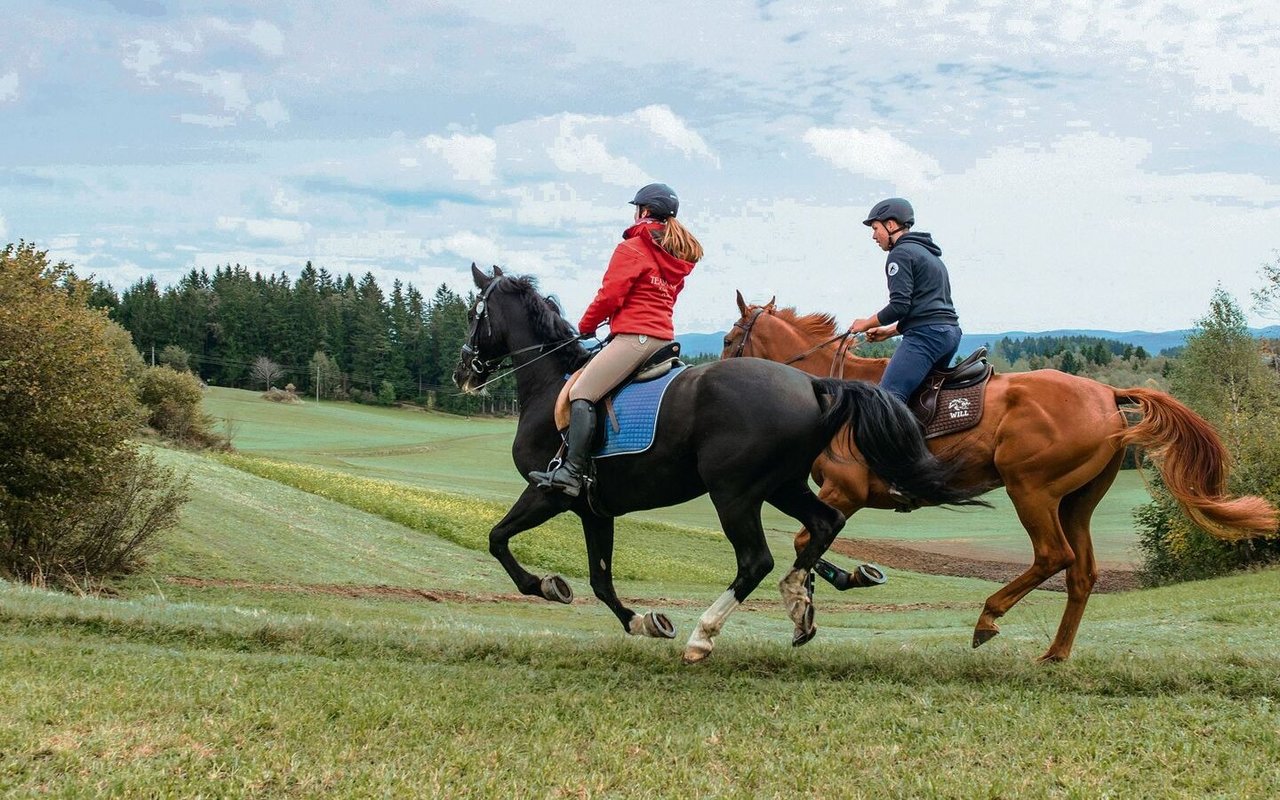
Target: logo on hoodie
x,y
893,268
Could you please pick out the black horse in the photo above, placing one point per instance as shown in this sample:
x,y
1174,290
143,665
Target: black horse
x,y
746,431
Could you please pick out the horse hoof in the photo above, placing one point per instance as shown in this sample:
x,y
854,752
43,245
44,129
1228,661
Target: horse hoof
x,y
556,589
983,635
694,655
1050,657
801,637
658,626
866,575
805,630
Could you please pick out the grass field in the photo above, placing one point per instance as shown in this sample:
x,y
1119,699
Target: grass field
x,y
473,456
272,649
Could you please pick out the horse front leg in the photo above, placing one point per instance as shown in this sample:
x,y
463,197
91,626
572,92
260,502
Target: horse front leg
x,y
599,535
740,519
531,509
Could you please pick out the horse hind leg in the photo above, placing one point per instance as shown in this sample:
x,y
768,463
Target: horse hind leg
x,y
822,524
1075,512
740,519
1038,511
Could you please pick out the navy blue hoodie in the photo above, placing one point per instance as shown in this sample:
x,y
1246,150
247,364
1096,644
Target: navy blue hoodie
x,y
919,289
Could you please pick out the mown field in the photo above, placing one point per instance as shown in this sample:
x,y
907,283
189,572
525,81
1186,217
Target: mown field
x,y
473,457
326,622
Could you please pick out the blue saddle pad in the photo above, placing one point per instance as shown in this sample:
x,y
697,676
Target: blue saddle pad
x,y
636,408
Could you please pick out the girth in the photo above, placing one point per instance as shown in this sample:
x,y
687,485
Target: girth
x,y
951,400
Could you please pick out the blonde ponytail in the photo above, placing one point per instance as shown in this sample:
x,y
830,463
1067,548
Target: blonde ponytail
x,y
677,241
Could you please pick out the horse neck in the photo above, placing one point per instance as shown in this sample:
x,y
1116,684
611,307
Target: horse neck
x,y
784,342
539,377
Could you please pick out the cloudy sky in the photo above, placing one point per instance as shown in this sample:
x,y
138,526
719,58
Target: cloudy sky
x,y
1083,164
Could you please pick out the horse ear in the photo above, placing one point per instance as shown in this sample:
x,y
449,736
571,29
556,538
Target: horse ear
x,y
497,271
480,278
769,306
742,304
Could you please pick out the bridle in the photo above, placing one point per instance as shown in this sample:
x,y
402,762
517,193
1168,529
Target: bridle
x,y
483,366
747,325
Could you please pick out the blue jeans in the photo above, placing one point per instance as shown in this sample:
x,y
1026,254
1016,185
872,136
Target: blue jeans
x,y
920,350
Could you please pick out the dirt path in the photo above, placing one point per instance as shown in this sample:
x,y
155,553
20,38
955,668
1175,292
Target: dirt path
x,y
895,555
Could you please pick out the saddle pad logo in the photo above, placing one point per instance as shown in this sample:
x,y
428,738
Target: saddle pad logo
x,y
958,407
893,268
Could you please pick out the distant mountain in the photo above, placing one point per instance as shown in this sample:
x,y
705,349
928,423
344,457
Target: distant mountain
x,y
1153,342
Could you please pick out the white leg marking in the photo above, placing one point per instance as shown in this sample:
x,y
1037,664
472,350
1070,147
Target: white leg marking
x,y
795,598
709,625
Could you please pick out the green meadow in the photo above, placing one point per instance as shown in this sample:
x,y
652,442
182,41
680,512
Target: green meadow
x,y
327,621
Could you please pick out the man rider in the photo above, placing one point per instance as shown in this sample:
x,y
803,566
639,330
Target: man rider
x,y
919,308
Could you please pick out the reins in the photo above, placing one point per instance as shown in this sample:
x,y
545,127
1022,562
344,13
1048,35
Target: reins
x,y
481,365
493,362
819,346
847,342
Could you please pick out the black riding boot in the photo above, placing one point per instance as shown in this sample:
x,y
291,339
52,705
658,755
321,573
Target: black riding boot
x,y
568,476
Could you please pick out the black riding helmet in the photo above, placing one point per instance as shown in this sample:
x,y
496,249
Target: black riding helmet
x,y
894,208
659,198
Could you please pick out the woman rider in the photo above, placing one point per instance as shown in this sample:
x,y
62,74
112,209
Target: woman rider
x,y
920,306
636,297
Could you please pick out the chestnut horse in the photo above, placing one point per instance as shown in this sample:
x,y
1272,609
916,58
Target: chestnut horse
x,y
1054,441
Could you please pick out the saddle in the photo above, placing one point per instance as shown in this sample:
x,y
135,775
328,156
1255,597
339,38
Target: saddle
x,y
951,400
657,365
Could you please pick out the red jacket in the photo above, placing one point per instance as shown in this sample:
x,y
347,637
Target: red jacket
x,y
638,293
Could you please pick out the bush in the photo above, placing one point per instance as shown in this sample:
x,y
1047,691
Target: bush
x,y
386,394
172,401
281,395
76,498
1221,376
175,357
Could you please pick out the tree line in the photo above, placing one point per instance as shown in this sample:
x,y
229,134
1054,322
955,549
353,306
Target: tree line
x,y
330,335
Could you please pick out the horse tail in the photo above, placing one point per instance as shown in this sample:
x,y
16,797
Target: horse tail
x,y
891,441
1194,464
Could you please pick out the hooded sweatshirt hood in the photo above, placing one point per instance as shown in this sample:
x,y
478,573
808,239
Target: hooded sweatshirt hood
x,y
922,239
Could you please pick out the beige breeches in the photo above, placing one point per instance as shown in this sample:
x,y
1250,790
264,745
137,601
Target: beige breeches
x,y
620,357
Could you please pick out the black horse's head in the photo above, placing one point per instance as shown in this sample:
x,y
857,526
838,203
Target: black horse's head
x,y
510,319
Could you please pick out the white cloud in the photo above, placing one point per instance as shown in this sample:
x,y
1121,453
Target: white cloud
x,y
8,87
285,204
274,231
141,57
664,122
4,228
1232,55
559,205
1079,233
271,112
226,86
588,155
875,154
207,120
472,158
267,37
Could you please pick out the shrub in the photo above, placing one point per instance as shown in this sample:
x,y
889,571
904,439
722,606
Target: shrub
x,y
172,401
1221,376
175,357
76,498
281,395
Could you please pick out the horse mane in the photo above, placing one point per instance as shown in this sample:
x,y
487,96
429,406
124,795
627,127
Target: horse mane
x,y
549,325
818,324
